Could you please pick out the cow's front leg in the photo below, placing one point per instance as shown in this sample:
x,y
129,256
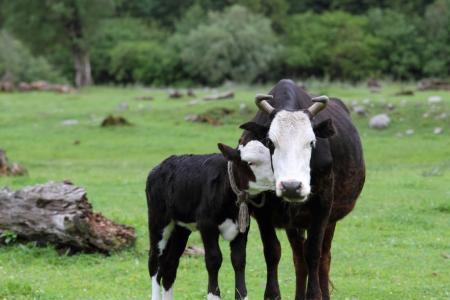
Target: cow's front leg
x,y
325,261
213,258
238,256
272,254
297,239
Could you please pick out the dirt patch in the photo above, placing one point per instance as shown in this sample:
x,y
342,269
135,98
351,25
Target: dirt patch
x,y
213,116
115,121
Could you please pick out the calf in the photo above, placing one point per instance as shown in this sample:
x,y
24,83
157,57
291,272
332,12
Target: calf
x,y
190,192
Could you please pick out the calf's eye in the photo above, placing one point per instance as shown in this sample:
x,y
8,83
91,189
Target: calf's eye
x,y
249,163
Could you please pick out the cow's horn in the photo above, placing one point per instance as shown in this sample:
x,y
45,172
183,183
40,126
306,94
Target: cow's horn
x,y
319,103
261,102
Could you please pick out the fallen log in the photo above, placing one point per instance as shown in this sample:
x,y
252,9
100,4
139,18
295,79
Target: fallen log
x,y
60,214
226,95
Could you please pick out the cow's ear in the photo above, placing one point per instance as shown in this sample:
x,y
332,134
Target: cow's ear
x,y
324,129
259,130
229,153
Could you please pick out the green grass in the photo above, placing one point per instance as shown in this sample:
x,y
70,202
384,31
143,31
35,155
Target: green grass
x,y
394,245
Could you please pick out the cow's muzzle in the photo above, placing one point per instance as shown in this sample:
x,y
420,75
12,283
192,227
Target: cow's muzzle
x,y
291,190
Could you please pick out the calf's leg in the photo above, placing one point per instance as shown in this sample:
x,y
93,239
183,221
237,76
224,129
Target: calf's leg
x,y
170,260
213,259
238,256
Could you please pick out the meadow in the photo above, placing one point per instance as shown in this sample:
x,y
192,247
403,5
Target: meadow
x,y
394,245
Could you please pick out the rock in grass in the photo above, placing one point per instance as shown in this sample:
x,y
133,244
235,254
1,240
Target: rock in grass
x,y
70,122
380,121
438,130
409,131
359,110
434,99
123,106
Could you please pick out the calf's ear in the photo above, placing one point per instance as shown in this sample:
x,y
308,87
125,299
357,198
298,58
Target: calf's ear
x,y
324,129
229,153
259,130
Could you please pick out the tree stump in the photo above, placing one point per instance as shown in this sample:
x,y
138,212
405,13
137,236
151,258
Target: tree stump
x,y
59,213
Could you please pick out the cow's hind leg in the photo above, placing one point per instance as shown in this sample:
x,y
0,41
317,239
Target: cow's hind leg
x,y
238,257
325,261
170,259
213,259
297,240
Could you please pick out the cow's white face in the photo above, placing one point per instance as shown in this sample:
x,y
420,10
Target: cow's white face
x,y
293,138
257,156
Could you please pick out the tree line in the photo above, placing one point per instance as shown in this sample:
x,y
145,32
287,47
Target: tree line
x,y
162,42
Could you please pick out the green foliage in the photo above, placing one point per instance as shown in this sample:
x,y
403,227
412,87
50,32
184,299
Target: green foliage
x,y
334,44
8,236
18,64
436,30
233,45
399,44
147,62
110,34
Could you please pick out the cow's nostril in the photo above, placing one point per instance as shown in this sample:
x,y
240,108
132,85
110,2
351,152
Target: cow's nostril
x,y
291,186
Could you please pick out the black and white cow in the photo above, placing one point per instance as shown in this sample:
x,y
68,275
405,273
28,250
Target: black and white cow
x,y
193,192
319,170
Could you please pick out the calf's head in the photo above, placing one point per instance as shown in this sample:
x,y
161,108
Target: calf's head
x,y
291,138
251,166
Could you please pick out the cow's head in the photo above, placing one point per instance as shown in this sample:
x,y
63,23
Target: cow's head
x,y
251,166
291,138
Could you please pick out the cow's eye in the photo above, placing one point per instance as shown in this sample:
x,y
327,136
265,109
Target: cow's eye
x,y
249,163
312,144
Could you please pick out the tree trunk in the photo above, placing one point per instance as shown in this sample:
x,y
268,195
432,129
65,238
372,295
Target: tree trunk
x,y
60,214
83,74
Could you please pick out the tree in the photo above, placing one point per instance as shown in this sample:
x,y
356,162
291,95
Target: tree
x,y
52,25
233,45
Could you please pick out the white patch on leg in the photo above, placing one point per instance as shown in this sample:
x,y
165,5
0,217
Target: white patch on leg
x,y
212,297
228,229
167,231
168,295
156,291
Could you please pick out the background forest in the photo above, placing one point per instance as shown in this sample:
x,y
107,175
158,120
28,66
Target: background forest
x,y
207,42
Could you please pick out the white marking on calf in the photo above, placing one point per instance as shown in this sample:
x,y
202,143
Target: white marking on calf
x,y
168,295
228,229
292,134
212,297
167,231
188,226
258,157
156,291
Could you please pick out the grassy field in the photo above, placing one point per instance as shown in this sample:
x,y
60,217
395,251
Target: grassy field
x,y
395,244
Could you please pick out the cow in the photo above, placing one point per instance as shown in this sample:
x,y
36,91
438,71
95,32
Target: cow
x,y
319,170
200,192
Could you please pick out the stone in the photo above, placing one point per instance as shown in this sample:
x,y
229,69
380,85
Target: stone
x,y
70,122
380,121
438,130
123,106
409,131
434,99
359,110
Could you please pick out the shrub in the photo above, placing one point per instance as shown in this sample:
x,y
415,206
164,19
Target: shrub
x,y
17,62
436,30
334,44
146,62
233,45
114,34
399,47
